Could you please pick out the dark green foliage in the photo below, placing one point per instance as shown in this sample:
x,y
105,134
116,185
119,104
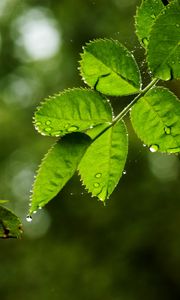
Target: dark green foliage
x,y
10,224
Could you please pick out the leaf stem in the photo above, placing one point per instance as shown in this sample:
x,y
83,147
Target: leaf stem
x,y
122,114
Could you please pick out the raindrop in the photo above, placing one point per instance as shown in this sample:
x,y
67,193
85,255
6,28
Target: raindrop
x,y
124,172
96,184
145,41
167,130
73,128
154,148
29,219
48,122
35,211
48,129
144,145
98,175
39,207
56,133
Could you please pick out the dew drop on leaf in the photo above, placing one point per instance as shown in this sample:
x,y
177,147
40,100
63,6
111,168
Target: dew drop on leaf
x,y
48,122
38,123
145,41
154,148
29,219
96,184
98,175
73,128
167,130
124,172
56,133
48,129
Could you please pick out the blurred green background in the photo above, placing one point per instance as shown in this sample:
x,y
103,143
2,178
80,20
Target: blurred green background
x,y
76,248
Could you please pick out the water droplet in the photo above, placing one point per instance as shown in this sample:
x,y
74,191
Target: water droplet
x,y
98,175
167,130
124,172
38,123
35,211
144,145
29,219
145,41
154,148
48,122
73,128
48,129
39,207
96,184
56,133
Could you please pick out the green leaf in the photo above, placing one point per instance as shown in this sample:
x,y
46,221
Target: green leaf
x,y
10,224
156,120
3,201
57,167
145,17
108,67
74,110
164,44
102,165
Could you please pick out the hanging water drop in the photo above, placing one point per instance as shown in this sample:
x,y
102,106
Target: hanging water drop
x,y
29,219
154,148
124,172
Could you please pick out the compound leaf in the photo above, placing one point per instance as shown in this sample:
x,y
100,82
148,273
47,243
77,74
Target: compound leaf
x,y
145,17
108,67
164,44
102,164
10,224
57,167
74,110
156,120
